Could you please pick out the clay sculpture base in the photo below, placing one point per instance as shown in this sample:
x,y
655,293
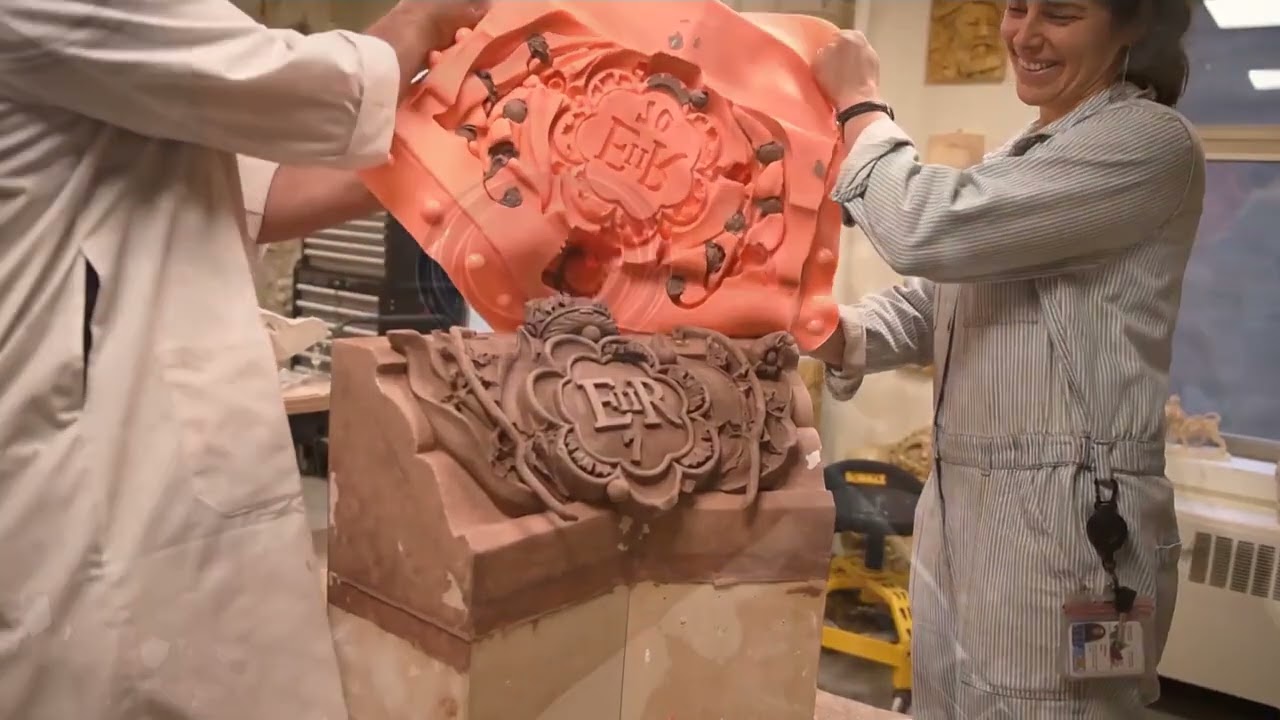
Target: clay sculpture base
x,y
666,560
653,652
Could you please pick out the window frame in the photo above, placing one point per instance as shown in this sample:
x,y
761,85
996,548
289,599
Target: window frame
x,y
1244,143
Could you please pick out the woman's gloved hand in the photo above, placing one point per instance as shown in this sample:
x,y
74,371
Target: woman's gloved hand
x,y
848,70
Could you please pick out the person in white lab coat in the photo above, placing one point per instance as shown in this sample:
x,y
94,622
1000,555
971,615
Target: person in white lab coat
x,y
154,557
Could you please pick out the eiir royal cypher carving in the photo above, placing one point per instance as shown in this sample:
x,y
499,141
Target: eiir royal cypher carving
x,y
576,412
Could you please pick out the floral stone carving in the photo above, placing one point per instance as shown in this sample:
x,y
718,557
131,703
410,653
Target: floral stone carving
x,y
672,164
574,411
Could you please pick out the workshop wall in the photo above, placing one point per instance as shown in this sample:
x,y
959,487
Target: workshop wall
x,y
890,406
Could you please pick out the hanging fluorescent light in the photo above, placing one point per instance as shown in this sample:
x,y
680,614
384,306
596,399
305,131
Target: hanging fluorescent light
x,y
1265,79
1241,14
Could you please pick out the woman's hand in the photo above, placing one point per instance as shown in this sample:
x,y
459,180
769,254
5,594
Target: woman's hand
x,y
848,70
442,19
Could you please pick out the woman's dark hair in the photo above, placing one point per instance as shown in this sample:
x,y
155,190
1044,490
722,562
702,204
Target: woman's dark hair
x,y
1157,59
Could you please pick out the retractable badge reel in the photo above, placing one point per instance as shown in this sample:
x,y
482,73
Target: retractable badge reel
x,y
1109,635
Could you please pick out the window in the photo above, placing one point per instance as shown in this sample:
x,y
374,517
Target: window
x,y
1227,346
1231,71
1226,355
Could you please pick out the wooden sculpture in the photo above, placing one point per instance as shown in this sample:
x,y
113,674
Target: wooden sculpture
x,y
1201,434
964,42
914,453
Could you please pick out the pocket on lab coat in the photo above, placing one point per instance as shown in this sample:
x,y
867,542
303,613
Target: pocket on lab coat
x,y
235,442
998,303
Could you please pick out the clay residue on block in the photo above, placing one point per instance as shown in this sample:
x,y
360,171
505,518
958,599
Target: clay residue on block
x,y
384,677
567,665
695,651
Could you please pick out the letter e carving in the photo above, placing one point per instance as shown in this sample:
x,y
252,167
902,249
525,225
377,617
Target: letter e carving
x,y
614,404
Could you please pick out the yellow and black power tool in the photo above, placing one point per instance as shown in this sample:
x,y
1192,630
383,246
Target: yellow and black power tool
x,y
868,615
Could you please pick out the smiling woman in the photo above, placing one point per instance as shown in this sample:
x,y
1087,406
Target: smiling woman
x,y
1043,284
1064,51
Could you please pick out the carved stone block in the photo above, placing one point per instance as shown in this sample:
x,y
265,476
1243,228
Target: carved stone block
x,y
635,519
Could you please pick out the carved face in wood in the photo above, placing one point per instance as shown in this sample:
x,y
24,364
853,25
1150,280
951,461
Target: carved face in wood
x,y
672,164
964,41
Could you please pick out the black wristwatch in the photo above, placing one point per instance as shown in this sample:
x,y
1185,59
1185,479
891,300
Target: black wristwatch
x,y
862,108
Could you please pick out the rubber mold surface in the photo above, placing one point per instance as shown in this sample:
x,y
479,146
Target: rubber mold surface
x,y
669,159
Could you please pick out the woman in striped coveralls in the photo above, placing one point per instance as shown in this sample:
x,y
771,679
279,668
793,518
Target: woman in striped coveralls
x,y
1044,286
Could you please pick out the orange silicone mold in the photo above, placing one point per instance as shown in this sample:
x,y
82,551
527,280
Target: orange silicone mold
x,y
670,159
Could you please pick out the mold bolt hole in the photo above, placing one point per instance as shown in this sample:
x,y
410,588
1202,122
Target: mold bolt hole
x,y
768,153
675,287
539,48
512,198
515,110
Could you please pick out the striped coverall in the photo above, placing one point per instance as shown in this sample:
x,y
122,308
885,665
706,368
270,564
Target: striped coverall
x,y
1043,287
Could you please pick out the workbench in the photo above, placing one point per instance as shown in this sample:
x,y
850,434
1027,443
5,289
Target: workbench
x,y
306,402
310,396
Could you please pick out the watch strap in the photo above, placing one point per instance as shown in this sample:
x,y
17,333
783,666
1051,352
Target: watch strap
x,y
862,108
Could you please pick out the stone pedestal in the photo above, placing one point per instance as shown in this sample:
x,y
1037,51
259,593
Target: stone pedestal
x,y
478,572
651,652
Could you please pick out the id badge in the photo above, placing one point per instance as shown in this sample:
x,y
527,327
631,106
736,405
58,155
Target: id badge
x,y
1101,643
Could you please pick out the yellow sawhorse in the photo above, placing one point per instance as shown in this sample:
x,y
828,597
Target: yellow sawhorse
x,y
888,593
875,503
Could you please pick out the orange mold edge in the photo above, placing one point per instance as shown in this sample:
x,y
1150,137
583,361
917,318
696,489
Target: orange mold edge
x,y
670,159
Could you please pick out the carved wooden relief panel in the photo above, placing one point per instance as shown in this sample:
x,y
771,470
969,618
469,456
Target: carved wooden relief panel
x,y
672,164
964,42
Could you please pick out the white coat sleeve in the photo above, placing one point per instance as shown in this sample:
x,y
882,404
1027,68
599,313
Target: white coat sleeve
x,y
203,72
255,183
1088,192
884,331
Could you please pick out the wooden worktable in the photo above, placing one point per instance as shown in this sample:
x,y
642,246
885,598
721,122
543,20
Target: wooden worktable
x,y
311,396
